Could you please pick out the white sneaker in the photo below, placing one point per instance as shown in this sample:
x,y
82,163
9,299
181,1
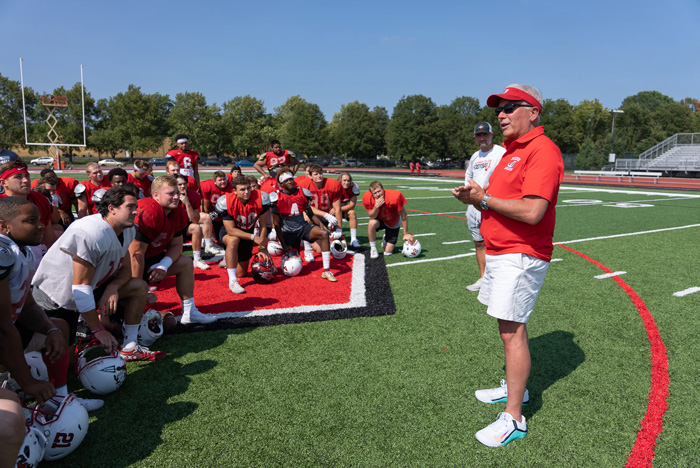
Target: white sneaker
x,y
309,257
354,244
196,316
90,404
504,430
236,288
214,249
498,395
373,253
200,264
476,286
222,263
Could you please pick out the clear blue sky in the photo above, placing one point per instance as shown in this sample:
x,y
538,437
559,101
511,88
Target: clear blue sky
x,y
374,52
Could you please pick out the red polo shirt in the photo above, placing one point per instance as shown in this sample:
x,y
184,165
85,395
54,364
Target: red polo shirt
x,y
532,165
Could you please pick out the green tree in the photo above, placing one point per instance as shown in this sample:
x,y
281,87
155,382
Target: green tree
x,y
301,126
456,124
356,131
591,120
412,131
558,120
190,114
11,119
131,121
246,126
590,156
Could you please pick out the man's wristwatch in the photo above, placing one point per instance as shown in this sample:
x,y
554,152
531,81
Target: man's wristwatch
x,y
483,204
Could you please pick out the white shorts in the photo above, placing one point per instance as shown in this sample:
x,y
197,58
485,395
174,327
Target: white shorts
x,y
511,284
474,223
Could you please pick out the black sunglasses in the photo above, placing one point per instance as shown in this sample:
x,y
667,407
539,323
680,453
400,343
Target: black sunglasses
x,y
510,107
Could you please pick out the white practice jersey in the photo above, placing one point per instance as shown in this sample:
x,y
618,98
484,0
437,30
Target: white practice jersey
x,y
91,239
481,165
18,264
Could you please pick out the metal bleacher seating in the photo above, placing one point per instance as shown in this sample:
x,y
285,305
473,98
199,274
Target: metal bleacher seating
x,y
677,154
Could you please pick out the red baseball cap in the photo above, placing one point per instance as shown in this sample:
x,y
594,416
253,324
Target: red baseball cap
x,y
513,94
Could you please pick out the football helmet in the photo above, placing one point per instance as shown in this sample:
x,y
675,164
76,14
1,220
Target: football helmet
x,y
291,263
263,270
102,374
32,451
150,328
64,423
274,248
339,248
411,248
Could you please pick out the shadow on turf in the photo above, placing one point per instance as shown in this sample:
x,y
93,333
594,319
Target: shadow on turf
x,y
554,356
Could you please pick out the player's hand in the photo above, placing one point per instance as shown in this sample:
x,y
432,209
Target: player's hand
x,y
107,341
41,390
156,275
407,237
463,194
257,240
55,345
151,298
110,298
64,217
264,254
337,234
379,202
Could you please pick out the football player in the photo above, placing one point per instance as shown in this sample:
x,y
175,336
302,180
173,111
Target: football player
x,y
172,168
273,160
96,180
201,226
326,195
289,204
386,212
23,325
99,276
241,211
156,252
140,178
347,205
212,189
14,179
65,188
234,172
185,157
306,175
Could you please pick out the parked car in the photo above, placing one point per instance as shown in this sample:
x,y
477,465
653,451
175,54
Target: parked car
x,y
42,161
384,163
210,162
320,162
109,162
336,162
353,163
157,162
244,163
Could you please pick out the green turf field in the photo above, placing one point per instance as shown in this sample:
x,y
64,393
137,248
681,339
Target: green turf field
x,y
398,390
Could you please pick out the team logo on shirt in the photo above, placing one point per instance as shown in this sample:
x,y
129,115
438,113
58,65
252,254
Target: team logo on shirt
x,y
512,163
482,165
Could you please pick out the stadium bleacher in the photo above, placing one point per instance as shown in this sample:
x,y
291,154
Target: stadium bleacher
x,y
679,154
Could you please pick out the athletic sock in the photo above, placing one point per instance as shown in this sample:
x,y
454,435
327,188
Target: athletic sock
x,y
187,305
326,256
209,242
373,245
232,275
353,235
196,254
307,247
131,334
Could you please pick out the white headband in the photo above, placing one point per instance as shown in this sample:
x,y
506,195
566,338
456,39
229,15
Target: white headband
x,y
143,171
182,140
285,176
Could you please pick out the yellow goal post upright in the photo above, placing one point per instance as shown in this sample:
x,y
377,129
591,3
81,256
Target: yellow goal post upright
x,y
51,103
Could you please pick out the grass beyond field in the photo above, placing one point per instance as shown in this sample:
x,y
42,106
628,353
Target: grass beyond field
x,y
398,390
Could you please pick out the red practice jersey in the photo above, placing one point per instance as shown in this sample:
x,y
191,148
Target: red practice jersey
x,y
245,215
394,202
90,190
187,161
65,189
155,228
144,185
272,160
324,197
269,185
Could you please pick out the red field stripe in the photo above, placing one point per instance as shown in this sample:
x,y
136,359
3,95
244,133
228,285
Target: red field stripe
x,y
439,214
642,453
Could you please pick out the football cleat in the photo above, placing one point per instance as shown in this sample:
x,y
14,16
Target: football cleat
x,y
373,253
91,404
355,244
140,353
200,264
328,275
196,316
214,249
236,288
411,249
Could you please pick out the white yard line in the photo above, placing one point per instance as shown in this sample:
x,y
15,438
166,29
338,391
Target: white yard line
x,y
610,275
685,292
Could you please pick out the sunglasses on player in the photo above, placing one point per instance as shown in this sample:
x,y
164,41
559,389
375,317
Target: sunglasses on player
x,y
510,107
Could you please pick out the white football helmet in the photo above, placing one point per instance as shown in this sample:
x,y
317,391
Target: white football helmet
x,y
64,423
412,248
291,263
339,248
274,248
102,374
150,328
32,451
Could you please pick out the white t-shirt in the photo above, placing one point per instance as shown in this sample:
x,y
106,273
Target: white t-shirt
x,y
90,238
481,166
18,264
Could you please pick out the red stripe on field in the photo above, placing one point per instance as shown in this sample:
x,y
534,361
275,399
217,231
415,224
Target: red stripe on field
x,y
439,214
652,424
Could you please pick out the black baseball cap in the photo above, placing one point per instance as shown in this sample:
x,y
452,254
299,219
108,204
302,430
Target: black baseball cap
x,y
483,127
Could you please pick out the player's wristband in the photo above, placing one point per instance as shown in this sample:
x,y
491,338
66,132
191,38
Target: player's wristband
x,y
83,297
52,329
164,264
96,331
252,237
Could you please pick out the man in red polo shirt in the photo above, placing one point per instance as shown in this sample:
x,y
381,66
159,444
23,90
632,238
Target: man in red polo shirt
x,y
517,223
273,160
156,252
185,157
386,212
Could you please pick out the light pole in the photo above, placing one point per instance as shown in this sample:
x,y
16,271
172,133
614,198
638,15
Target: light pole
x,y
615,111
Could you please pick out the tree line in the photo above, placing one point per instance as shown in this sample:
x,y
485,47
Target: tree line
x,y
417,128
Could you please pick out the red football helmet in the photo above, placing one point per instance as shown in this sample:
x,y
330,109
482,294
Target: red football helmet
x,y
263,270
